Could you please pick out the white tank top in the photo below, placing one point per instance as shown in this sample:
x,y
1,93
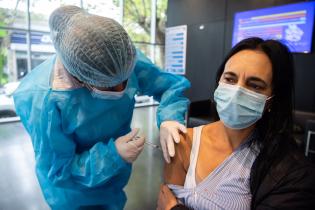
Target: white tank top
x,y
226,187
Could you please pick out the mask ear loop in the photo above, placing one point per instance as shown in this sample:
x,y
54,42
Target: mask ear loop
x,y
90,88
268,107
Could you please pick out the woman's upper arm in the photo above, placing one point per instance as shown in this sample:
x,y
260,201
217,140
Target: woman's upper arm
x,y
175,172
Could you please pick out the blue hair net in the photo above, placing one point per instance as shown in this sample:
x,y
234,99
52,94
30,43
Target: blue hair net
x,y
94,49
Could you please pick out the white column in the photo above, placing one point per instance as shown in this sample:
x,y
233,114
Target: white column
x,y
29,39
121,7
153,35
153,30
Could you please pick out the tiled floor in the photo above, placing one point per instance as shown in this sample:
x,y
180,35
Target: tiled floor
x,y
19,189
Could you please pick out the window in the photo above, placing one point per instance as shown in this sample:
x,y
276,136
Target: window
x,y
41,9
22,48
137,20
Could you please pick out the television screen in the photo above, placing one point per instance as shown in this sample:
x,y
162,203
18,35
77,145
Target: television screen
x,y
292,24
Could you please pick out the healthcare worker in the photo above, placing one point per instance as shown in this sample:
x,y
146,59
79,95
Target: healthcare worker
x,y
77,107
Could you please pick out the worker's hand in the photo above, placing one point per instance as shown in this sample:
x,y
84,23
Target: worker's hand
x,y
169,132
130,145
166,200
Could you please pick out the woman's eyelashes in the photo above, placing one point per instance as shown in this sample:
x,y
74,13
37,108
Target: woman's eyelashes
x,y
255,87
230,80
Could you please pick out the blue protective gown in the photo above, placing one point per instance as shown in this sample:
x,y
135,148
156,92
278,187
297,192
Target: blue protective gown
x,y
73,134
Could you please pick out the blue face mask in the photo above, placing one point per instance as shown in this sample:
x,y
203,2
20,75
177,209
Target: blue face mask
x,y
238,107
108,95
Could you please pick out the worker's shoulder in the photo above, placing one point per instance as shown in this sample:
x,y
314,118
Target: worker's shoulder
x,y
38,79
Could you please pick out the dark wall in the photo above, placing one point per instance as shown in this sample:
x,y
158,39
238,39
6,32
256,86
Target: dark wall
x,y
207,47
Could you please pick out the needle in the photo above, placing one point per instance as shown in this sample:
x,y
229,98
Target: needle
x,y
147,143
153,145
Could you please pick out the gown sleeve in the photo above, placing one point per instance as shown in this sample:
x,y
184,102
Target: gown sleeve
x,y
94,167
166,88
56,151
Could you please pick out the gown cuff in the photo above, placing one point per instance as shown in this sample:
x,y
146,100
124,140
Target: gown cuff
x,y
117,159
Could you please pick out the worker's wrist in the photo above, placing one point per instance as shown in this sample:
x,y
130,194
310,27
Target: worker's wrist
x,y
119,161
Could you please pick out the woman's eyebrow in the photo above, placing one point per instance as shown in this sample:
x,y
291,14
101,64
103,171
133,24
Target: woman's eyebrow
x,y
230,73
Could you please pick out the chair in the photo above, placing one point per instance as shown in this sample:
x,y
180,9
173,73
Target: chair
x,y
300,119
310,138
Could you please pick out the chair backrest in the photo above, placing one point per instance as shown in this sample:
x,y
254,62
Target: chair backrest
x,y
201,112
300,119
310,139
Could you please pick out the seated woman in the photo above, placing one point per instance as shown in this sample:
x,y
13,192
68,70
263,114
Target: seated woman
x,y
249,158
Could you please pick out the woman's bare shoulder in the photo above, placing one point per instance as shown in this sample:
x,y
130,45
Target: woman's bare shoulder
x,y
175,171
212,128
186,138
183,148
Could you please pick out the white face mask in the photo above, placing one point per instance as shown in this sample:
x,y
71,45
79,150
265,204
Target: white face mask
x,y
108,95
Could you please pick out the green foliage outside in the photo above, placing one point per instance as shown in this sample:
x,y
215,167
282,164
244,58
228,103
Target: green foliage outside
x,y
137,22
3,34
137,19
3,76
